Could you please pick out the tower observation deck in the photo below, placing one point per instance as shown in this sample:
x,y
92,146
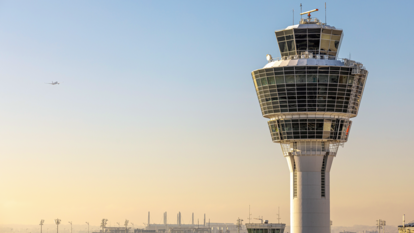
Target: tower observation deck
x,y
309,96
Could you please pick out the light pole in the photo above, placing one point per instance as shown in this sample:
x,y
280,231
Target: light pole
x,y
57,221
70,226
41,225
239,224
103,224
88,226
380,224
126,225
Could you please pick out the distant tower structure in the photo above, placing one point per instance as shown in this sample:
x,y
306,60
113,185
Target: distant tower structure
x,y
192,222
41,225
309,97
165,218
179,218
103,224
57,222
149,218
204,219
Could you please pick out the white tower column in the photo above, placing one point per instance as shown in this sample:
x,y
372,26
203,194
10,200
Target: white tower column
x,y
309,193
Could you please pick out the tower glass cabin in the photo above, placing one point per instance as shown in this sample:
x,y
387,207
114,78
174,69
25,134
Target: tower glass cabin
x,y
309,96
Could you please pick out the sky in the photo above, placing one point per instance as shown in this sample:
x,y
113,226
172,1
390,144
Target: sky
x,y
156,111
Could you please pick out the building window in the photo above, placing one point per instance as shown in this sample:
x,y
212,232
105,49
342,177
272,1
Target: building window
x,y
323,173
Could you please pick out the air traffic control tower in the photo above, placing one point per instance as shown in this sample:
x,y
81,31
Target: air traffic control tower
x,y
309,96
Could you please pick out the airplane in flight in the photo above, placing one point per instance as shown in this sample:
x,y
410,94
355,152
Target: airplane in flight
x,y
53,83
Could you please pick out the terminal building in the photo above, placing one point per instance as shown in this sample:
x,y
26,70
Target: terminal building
x,y
193,226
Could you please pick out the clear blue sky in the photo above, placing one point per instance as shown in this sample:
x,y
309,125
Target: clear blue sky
x,y
158,95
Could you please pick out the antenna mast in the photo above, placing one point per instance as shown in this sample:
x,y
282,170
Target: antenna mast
x,y
301,10
293,20
325,14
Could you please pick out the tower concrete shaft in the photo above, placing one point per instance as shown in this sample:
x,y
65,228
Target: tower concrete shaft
x,y
309,96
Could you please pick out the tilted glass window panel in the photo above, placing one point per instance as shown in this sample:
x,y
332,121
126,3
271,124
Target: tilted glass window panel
x,y
301,45
301,78
335,37
336,32
326,36
258,82
280,80
333,78
289,37
343,79
323,78
311,31
325,45
300,36
313,45
271,80
283,47
323,70
299,31
300,71
312,70
281,38
288,32
281,33
290,79
264,81
327,31
290,45
312,78
334,45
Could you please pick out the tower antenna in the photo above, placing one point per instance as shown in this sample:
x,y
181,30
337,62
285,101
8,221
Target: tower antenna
x,y
301,10
325,14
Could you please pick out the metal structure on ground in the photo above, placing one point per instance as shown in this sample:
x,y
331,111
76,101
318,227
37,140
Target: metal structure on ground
x,y
57,222
41,225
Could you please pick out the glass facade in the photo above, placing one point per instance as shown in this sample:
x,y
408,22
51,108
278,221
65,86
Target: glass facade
x,y
308,89
311,128
286,42
313,40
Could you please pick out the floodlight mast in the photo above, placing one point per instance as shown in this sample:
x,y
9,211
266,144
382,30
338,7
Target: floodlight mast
x,y
126,225
57,222
309,97
103,224
41,225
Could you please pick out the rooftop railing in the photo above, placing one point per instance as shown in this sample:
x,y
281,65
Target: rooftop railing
x,y
358,68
